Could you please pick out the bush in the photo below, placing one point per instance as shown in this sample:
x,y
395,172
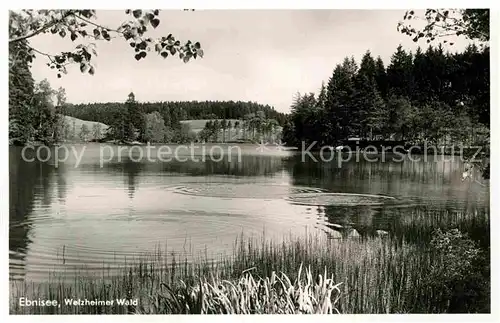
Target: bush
x,y
458,279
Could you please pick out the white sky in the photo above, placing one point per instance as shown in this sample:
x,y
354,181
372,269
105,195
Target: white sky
x,y
250,55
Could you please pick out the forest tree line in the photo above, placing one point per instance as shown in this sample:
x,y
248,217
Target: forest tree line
x,y
429,95
173,111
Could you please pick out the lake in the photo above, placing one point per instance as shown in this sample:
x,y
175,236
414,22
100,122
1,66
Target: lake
x,y
108,207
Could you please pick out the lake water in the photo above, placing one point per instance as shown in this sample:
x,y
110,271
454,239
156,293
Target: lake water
x,y
89,213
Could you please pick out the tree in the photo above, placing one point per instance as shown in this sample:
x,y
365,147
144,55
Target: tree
x,y
340,91
229,127
58,134
96,131
304,119
223,125
321,102
117,129
369,113
237,128
381,77
73,130
44,116
401,117
84,133
135,123
399,75
21,93
184,134
82,24
216,129
472,23
68,131
155,127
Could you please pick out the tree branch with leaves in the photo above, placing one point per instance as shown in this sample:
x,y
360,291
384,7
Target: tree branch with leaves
x,y
471,23
83,24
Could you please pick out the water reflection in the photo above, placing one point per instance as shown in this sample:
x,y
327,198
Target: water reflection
x,y
92,215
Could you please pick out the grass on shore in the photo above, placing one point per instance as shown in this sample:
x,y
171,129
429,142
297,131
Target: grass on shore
x,y
297,275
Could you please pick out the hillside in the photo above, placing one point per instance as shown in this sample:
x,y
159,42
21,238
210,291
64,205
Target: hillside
x,y
198,125
75,126
232,134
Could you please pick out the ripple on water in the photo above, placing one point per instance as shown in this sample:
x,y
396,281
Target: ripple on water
x,y
340,199
242,190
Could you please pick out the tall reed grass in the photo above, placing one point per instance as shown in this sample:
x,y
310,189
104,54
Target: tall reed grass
x,y
414,269
297,275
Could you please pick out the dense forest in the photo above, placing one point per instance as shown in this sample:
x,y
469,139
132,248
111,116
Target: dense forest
x,y
161,121
430,95
174,111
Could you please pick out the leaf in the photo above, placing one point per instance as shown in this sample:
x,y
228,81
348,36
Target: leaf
x,y
186,59
91,70
84,67
200,53
138,56
106,35
60,59
164,54
197,45
127,11
96,33
143,54
58,75
73,36
132,44
155,22
137,13
156,12
62,33
172,50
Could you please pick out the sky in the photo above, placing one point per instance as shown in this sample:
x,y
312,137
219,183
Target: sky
x,y
264,56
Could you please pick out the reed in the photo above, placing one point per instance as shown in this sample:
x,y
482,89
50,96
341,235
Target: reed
x,y
420,267
297,275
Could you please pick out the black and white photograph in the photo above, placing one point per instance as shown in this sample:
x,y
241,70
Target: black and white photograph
x,y
249,161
